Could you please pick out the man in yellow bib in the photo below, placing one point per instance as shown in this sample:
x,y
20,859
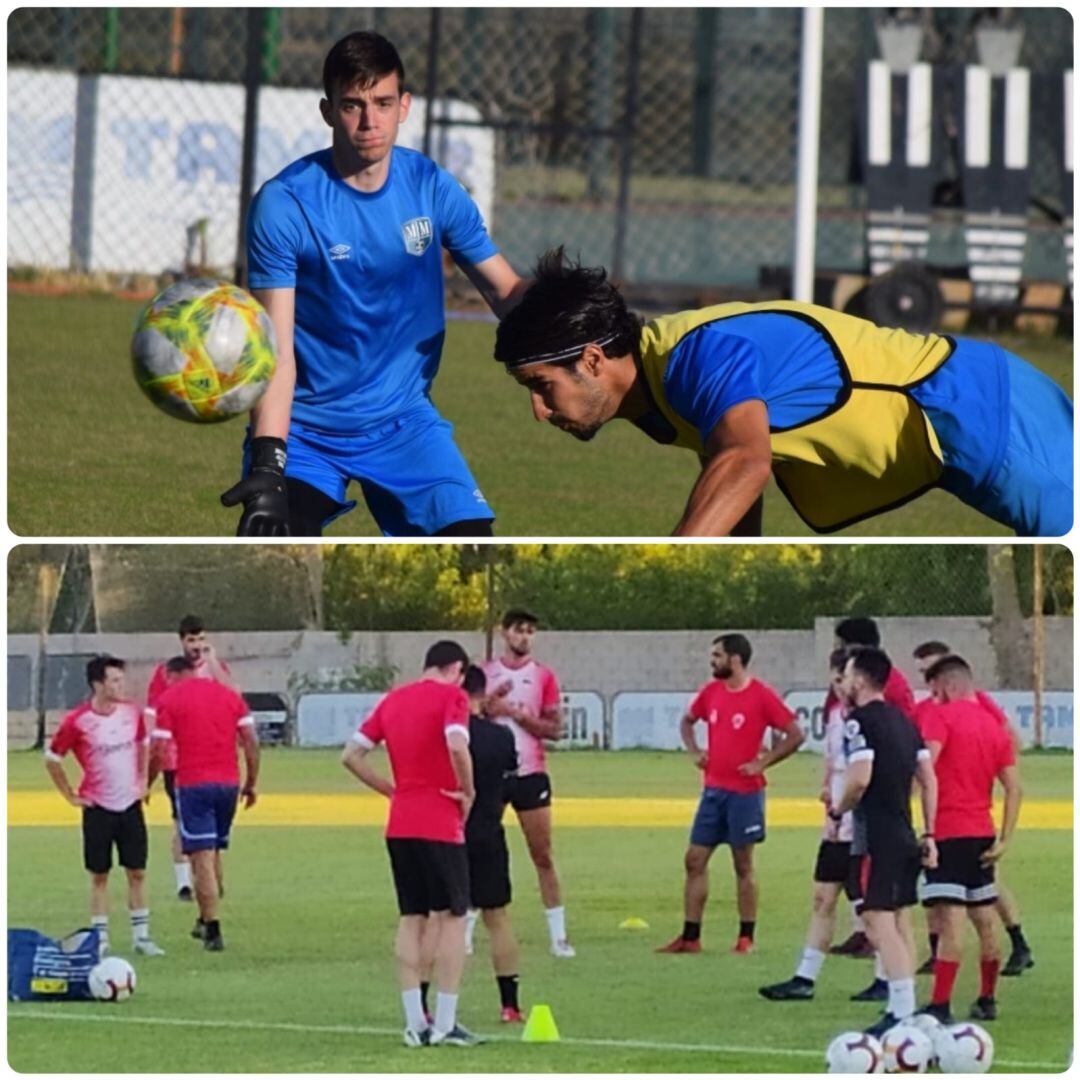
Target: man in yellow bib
x,y
852,419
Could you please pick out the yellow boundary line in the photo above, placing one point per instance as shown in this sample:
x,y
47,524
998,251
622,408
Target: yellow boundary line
x,y
43,808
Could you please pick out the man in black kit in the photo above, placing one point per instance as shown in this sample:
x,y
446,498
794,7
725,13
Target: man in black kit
x,y
494,759
885,753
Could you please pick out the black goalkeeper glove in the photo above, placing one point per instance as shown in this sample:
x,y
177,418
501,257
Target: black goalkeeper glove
x,y
262,491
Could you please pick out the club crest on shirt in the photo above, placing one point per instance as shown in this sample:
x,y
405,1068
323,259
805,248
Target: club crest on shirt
x,y
738,720
418,234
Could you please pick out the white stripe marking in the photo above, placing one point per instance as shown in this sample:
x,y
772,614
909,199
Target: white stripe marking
x,y
919,109
879,113
994,254
911,236
997,237
976,117
995,273
1017,117
347,1029
1068,121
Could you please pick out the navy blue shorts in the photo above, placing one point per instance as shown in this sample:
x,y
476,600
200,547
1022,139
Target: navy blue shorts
x,y
735,818
414,478
205,814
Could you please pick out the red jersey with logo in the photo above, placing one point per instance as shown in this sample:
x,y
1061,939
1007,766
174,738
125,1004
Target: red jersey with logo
x,y
202,718
897,692
975,747
159,683
737,721
537,689
106,746
415,721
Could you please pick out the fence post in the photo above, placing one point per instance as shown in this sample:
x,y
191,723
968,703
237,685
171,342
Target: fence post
x,y
1038,627
704,88
626,156
806,183
431,85
111,52
600,93
256,25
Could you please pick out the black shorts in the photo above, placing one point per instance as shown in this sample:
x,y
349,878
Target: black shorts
x,y
103,828
489,868
168,778
960,878
835,866
532,792
887,879
429,875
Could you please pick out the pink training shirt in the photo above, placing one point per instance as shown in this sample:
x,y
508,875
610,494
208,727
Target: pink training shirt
x,y
159,683
106,746
534,687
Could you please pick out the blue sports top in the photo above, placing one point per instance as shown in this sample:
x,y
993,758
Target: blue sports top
x,y
368,274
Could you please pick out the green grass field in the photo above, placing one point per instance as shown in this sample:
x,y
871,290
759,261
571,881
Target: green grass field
x,y
307,981
88,455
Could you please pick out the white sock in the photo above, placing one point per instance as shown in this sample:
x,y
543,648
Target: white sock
x,y
445,1012
810,964
415,1019
140,924
556,920
101,924
857,923
182,873
470,925
901,997
879,967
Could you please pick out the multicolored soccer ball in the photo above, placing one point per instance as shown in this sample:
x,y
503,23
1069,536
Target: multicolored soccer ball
x,y
964,1048
855,1052
112,980
204,351
907,1049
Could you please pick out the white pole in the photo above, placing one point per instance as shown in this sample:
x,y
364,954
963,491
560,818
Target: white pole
x,y
806,181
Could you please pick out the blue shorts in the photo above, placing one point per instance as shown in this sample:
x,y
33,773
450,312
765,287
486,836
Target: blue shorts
x,y
735,818
414,479
204,815
1029,483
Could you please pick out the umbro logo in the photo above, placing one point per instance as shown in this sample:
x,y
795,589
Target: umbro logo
x,y
340,251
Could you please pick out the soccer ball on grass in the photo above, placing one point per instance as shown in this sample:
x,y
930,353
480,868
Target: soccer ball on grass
x,y
112,980
854,1052
204,350
907,1049
964,1048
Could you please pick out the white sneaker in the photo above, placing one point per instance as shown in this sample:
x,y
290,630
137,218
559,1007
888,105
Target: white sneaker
x,y
563,949
145,947
414,1039
468,948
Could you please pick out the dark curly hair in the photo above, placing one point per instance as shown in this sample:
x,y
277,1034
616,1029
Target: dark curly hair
x,y
568,305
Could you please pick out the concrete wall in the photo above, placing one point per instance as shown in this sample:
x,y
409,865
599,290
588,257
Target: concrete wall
x,y
606,662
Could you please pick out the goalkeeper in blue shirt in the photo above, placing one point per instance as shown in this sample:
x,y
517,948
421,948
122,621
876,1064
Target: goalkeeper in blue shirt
x,y
345,253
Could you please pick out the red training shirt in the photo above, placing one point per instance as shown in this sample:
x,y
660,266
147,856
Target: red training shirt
x,y
414,721
203,718
975,747
159,683
737,720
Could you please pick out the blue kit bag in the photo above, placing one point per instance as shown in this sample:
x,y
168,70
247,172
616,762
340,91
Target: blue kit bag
x,y
41,968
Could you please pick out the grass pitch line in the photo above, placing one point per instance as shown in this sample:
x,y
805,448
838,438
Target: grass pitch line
x,y
44,808
348,1029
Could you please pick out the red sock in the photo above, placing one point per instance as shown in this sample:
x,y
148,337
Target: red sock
x,y
988,970
944,977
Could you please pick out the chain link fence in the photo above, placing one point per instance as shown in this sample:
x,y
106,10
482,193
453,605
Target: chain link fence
x,y
659,142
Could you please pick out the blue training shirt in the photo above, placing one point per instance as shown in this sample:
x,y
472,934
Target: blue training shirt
x,y
368,274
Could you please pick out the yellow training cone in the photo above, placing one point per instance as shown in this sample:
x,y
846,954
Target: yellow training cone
x,y
540,1026
633,923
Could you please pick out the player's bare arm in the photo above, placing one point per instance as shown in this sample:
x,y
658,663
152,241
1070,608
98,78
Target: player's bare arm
x,y
498,283
461,762
249,743
59,778
270,417
856,781
355,759
686,731
926,779
792,740
1009,778
738,465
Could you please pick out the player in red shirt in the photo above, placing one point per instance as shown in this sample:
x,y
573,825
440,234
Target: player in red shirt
x,y
425,726
1020,959
847,634
737,710
107,735
970,750
525,698
206,665
204,720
